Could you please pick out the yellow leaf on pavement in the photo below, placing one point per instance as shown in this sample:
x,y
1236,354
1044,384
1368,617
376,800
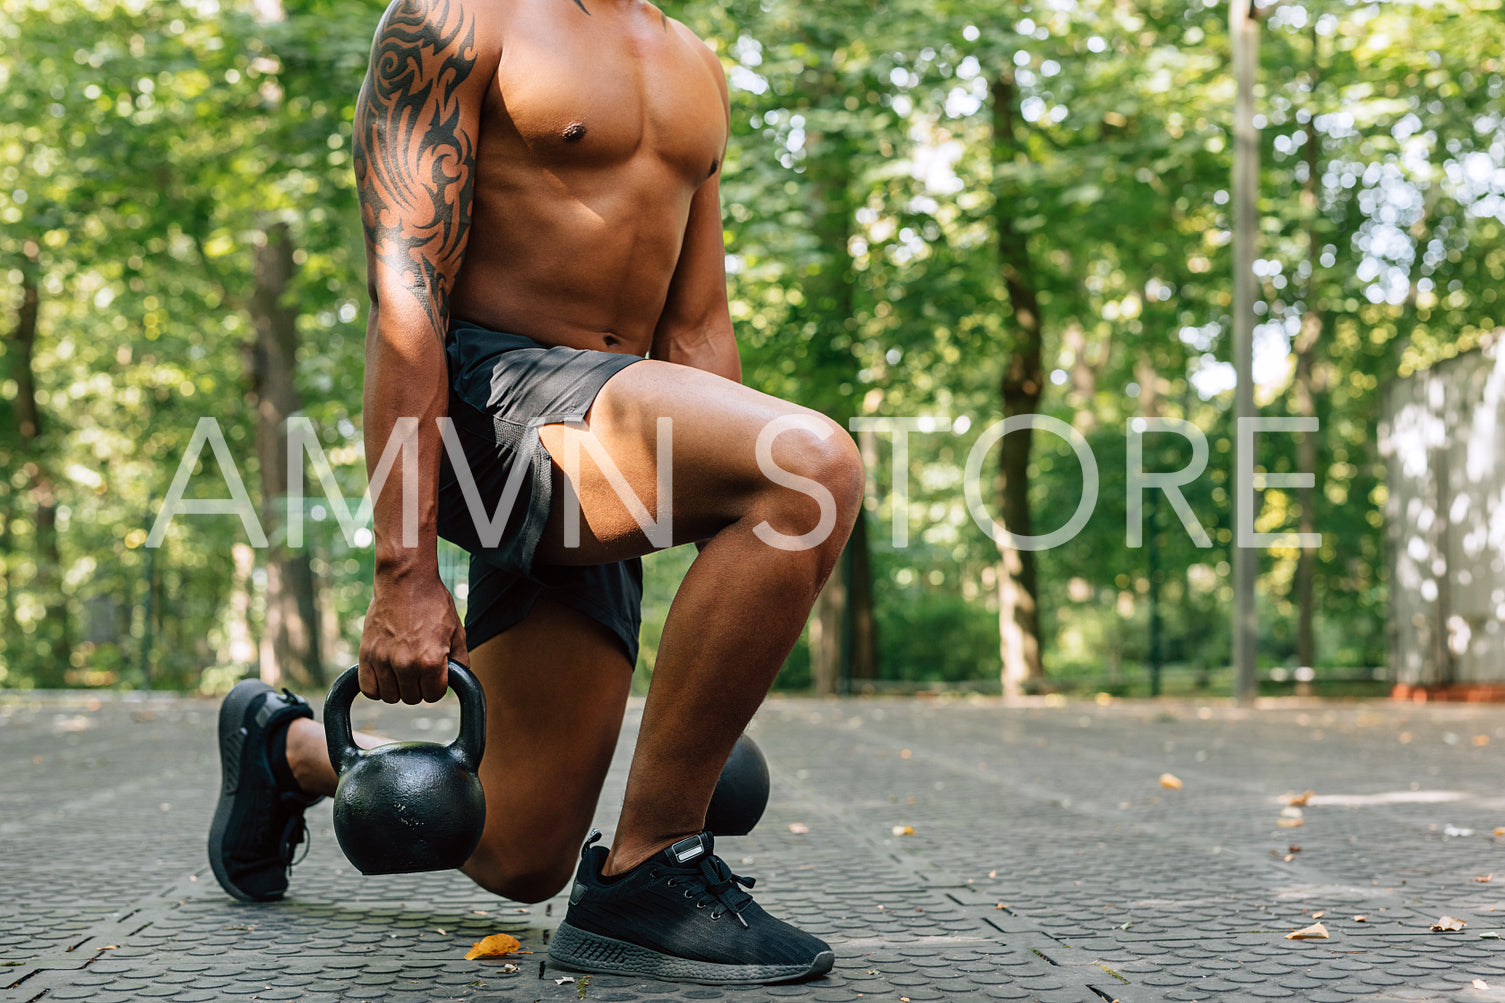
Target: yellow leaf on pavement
x,y
495,946
1170,780
1448,924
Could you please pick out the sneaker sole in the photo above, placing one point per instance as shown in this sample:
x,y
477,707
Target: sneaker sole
x,y
232,714
573,948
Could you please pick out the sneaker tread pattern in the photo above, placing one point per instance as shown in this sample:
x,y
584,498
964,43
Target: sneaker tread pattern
x,y
579,950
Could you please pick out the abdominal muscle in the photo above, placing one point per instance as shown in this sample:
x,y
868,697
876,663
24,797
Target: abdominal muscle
x,y
582,259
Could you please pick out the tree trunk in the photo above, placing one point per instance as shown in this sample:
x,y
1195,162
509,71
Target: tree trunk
x,y
51,646
864,621
1243,29
8,631
1305,582
1021,387
1306,390
290,643
843,634
239,647
842,631
828,632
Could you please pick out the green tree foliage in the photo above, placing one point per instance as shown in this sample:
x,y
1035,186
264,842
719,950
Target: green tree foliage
x,y
150,151
146,147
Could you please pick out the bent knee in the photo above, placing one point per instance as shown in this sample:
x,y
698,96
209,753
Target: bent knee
x,y
811,449
528,881
824,452
843,472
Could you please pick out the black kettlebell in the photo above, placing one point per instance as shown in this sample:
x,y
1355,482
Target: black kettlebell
x,y
408,806
741,792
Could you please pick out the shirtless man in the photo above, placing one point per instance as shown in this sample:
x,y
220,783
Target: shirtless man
x,y
539,182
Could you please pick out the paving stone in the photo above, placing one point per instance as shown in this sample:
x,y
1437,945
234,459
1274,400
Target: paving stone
x,y
75,992
1205,902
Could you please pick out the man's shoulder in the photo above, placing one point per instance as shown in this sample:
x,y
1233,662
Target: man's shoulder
x,y
701,47
474,25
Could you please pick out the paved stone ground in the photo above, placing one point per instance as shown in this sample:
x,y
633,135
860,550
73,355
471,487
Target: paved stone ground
x,y
1047,861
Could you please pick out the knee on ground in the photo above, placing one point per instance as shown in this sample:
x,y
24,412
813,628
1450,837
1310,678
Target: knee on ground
x,y
526,879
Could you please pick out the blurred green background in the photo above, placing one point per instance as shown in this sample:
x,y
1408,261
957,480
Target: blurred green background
x,y
947,211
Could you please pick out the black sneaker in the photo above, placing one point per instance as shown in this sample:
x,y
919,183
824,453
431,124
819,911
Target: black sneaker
x,y
679,916
257,824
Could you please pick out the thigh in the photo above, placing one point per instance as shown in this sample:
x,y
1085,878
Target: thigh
x,y
556,686
613,463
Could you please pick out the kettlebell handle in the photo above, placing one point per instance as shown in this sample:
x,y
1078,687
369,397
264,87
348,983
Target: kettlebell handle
x,y
467,747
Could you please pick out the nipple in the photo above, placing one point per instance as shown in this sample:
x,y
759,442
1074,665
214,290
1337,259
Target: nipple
x,y
575,132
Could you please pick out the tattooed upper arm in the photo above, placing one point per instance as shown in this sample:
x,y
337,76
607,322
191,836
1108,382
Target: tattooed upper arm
x,y
415,126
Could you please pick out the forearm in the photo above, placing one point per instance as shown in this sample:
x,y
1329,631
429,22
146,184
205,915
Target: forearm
x,y
406,393
711,352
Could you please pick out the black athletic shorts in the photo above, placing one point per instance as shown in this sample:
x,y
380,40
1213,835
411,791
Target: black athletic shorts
x,y
502,387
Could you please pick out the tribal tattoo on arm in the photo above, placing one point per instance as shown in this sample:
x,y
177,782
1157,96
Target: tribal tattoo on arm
x,y
414,156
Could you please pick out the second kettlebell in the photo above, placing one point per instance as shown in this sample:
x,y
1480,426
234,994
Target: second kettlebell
x,y
408,806
741,791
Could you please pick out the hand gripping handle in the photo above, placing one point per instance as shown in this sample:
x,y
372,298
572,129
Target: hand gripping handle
x,y
467,747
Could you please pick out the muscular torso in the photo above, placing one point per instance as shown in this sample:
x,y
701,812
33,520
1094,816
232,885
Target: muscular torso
x,y
595,134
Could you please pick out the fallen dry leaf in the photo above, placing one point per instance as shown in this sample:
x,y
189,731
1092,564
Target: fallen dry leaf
x,y
1290,823
1361,919
1480,984
1171,781
1314,932
1448,924
1486,879
495,946
903,830
1500,831
1481,740
1318,914
1290,811
798,828
905,753
1296,800
563,979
